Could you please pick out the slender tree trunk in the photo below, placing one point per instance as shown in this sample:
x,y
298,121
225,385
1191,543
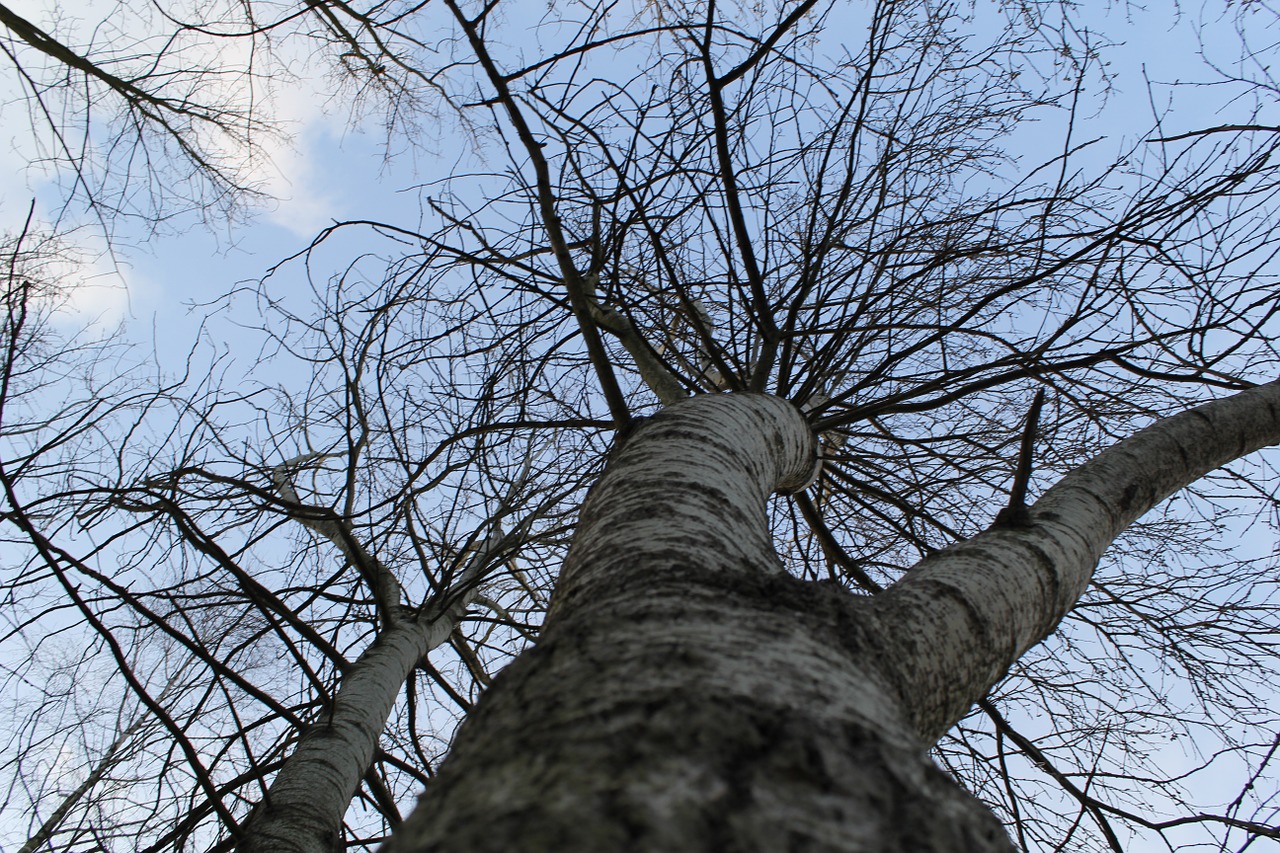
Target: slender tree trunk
x,y
687,695
304,808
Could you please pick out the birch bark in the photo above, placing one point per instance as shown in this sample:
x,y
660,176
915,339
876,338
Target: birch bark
x,y
687,695
303,809
959,619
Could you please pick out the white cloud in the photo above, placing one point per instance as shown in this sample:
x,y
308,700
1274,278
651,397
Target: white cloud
x,y
88,287
303,203
95,286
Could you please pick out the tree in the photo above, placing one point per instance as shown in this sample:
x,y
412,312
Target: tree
x,y
688,694
728,242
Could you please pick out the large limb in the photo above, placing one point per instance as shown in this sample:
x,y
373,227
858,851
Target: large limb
x,y
656,375
983,602
382,581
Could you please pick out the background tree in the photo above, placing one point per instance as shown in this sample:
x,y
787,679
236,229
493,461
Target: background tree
x,y
364,524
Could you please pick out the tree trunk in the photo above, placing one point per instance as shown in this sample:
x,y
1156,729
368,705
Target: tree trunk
x,y
687,695
303,810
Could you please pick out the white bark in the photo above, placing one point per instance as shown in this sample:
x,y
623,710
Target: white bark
x,y
382,581
977,606
653,372
303,809
686,695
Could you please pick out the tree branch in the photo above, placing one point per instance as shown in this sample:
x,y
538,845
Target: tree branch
x,y
987,600
574,285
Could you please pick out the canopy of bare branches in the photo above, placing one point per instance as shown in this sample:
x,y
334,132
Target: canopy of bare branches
x,y
901,216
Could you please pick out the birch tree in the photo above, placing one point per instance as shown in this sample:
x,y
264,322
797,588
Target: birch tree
x,y
772,443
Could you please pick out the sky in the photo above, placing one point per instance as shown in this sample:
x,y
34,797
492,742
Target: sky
x,y
329,169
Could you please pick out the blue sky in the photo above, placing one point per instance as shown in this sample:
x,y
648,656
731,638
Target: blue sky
x,y
330,169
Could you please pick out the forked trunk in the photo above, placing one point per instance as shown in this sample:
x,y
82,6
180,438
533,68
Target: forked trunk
x,y
686,693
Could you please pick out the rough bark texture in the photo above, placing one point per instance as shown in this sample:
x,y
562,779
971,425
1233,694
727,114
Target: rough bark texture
x,y
303,810
960,618
688,695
